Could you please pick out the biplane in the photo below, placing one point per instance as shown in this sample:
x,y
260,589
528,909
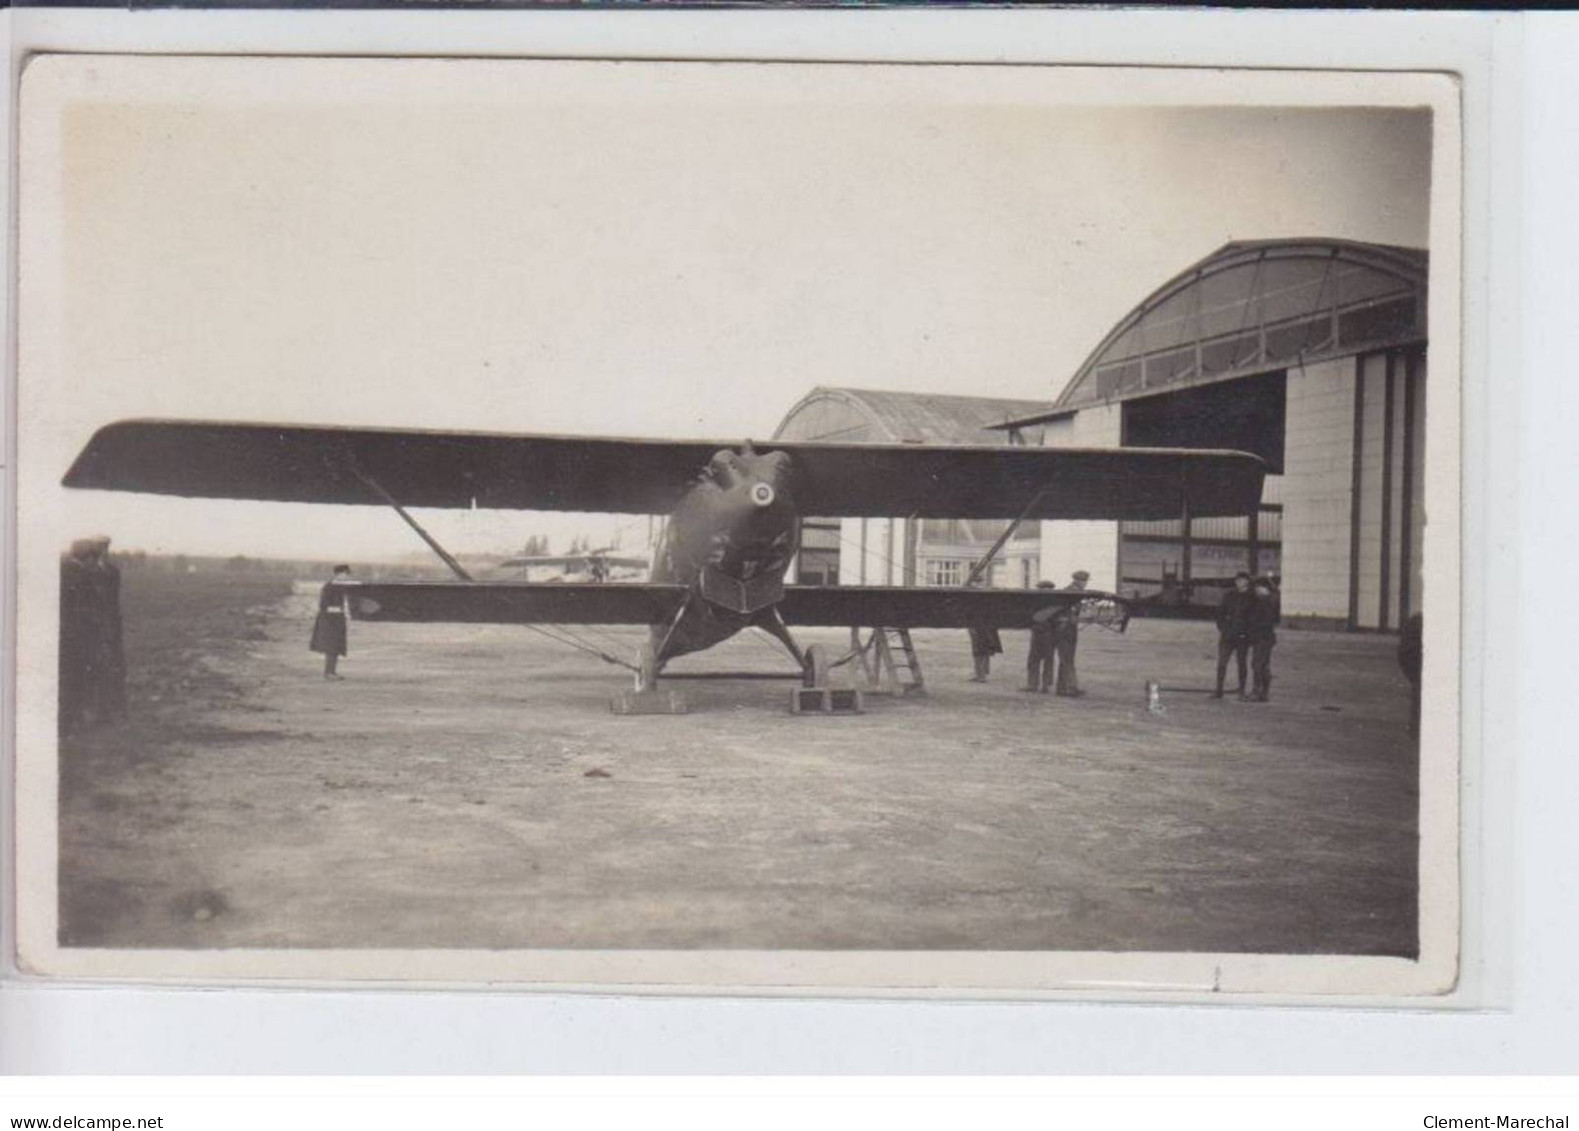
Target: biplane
x,y
733,524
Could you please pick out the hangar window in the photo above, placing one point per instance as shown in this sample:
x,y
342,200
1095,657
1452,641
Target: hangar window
x,y
945,571
1165,368
1230,353
1384,319
1298,340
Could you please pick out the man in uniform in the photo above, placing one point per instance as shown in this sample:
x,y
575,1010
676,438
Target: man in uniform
x,y
1233,631
1263,620
329,629
1039,663
1066,636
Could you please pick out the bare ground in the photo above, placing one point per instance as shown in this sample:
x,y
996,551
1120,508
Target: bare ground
x,y
468,787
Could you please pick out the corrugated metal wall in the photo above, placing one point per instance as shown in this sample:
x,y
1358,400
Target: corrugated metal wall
x,y
1389,400
1318,473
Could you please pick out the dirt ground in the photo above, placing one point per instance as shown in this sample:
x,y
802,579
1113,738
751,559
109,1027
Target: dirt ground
x,y
469,787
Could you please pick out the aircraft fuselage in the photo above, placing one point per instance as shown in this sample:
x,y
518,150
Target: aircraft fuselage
x,y
729,540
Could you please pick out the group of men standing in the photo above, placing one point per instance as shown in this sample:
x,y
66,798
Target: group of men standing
x,y
1055,633
1247,621
92,657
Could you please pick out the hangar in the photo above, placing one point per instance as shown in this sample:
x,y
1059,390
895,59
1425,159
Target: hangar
x,y
1310,353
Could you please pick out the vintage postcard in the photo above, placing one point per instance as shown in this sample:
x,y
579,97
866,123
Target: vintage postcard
x,y
739,527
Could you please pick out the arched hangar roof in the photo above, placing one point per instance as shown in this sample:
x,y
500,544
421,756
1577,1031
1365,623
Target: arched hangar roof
x,y
874,416
1254,306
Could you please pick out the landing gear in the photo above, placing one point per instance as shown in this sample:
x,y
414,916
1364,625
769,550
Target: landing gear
x,y
646,667
815,667
815,696
648,698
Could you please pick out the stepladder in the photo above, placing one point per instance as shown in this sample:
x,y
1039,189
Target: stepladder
x,y
888,662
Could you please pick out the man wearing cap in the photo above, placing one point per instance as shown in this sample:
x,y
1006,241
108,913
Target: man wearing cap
x,y
329,630
1039,664
1233,631
1066,636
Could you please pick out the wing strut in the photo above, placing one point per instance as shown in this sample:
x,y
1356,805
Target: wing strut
x,y
985,564
433,543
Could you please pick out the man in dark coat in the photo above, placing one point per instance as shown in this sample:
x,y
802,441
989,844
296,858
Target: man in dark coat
x,y
1233,631
1066,636
985,643
1264,616
329,630
1039,663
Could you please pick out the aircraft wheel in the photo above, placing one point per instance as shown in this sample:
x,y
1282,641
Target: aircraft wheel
x,y
816,673
646,667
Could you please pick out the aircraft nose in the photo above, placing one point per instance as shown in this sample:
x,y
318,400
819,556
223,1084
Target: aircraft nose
x,y
762,494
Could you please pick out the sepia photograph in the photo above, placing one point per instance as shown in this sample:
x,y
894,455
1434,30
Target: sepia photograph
x,y
733,526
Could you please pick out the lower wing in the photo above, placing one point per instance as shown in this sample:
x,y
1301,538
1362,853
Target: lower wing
x,y
481,602
937,607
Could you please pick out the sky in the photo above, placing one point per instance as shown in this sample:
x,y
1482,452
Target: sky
x,y
617,249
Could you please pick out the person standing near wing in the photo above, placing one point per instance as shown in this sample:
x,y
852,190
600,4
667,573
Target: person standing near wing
x,y
329,630
1039,662
1265,612
1066,636
1233,631
985,643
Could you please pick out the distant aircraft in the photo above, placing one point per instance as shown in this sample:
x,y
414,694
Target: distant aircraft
x,y
594,565
734,515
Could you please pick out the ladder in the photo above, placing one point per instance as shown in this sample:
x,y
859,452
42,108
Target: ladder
x,y
885,675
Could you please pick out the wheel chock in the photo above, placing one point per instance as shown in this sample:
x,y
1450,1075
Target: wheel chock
x,y
825,701
657,701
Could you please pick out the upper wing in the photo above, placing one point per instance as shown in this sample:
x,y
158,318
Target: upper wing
x,y
932,607
292,463
923,481
480,602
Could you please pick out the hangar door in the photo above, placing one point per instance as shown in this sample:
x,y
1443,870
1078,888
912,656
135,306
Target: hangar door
x,y
1195,559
